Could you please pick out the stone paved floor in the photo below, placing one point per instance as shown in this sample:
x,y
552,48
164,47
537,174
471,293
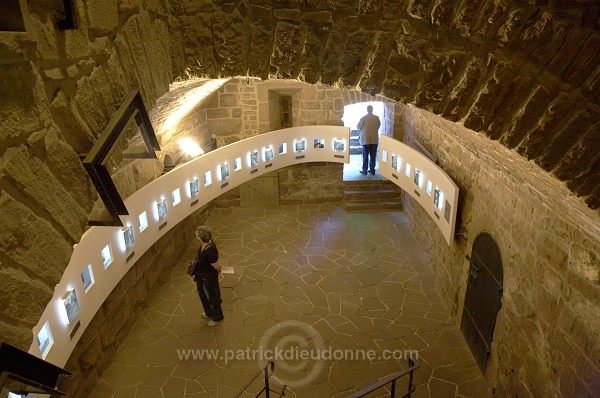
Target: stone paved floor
x,y
311,278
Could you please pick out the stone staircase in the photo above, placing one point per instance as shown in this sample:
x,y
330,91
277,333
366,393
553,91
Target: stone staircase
x,y
372,195
355,147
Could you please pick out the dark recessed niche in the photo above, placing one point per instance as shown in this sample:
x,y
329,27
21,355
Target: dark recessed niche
x,y
436,215
130,257
339,156
162,225
75,329
253,171
417,193
13,14
224,185
395,176
195,202
300,157
268,165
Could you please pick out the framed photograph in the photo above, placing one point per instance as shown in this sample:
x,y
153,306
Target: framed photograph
x,y
128,236
417,178
237,164
87,278
429,187
106,254
194,187
395,162
300,146
447,211
207,178
161,205
254,159
224,171
319,143
268,154
407,170
282,148
384,155
71,305
44,339
339,145
176,197
436,197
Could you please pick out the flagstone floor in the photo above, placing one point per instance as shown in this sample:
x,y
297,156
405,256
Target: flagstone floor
x,y
342,297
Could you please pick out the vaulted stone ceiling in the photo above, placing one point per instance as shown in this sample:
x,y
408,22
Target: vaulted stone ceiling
x,y
525,73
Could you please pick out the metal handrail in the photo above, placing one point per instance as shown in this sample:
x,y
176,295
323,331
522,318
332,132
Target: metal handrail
x,y
266,388
412,366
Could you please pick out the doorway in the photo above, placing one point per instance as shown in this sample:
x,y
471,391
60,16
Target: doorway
x,y
352,114
483,299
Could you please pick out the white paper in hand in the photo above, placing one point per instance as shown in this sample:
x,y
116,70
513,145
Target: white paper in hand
x,y
227,270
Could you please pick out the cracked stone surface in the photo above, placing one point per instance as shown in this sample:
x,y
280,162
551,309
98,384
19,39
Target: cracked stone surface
x,y
308,278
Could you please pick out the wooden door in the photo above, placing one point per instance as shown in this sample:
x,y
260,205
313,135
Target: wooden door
x,y
260,191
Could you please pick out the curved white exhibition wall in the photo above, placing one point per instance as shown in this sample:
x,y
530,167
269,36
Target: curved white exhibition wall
x,y
105,254
422,179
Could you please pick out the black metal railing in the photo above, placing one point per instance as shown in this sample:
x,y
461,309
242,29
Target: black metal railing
x,y
266,389
412,366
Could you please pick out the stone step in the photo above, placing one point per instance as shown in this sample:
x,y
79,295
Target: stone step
x,y
373,195
370,206
370,184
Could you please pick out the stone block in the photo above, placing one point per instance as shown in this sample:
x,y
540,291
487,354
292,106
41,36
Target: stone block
x,y
228,100
217,113
91,353
18,336
102,16
236,112
23,298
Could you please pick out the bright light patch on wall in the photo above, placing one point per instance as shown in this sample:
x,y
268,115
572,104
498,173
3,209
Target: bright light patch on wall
x,y
176,197
107,257
339,145
190,147
207,178
143,221
45,340
407,170
429,187
384,156
87,278
237,164
188,101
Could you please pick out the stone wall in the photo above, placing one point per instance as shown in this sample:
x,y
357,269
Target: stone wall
x,y
546,341
98,345
311,183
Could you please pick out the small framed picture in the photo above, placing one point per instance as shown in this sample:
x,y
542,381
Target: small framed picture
x,y
300,145
282,148
128,236
224,171
254,159
237,164
268,154
71,305
339,145
194,187
395,162
162,208
417,178
436,197
319,143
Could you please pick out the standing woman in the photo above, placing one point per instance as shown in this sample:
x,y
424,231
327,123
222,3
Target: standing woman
x,y
207,276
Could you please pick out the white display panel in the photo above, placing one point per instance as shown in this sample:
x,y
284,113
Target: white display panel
x,y
282,148
207,178
237,164
121,240
384,156
268,154
224,168
442,193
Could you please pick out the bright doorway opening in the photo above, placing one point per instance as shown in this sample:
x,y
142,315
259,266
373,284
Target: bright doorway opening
x,y
352,115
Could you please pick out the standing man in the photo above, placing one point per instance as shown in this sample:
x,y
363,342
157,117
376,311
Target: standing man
x,y
368,126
